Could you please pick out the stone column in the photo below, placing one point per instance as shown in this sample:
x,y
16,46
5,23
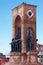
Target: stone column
x,y
22,38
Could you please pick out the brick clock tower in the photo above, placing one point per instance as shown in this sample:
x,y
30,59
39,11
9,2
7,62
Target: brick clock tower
x,y
23,45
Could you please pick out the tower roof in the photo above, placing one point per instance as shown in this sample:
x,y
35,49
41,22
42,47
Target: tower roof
x,y
24,4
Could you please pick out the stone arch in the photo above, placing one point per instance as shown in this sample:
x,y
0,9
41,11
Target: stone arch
x,y
17,25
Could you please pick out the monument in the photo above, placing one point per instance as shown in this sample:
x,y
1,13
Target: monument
x,y
23,45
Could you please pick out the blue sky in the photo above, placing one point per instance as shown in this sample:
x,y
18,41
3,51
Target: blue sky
x,y
6,21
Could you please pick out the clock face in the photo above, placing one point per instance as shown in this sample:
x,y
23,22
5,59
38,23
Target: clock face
x,y
30,13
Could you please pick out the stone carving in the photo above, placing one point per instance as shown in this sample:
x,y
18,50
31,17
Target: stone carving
x,y
16,45
17,59
33,59
16,42
30,45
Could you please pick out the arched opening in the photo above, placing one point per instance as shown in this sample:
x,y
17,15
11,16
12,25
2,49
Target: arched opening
x,y
16,42
18,33
29,40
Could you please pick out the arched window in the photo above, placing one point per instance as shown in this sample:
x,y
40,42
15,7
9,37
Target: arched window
x,y
29,39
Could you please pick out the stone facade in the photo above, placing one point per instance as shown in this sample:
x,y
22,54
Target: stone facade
x,y
21,19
